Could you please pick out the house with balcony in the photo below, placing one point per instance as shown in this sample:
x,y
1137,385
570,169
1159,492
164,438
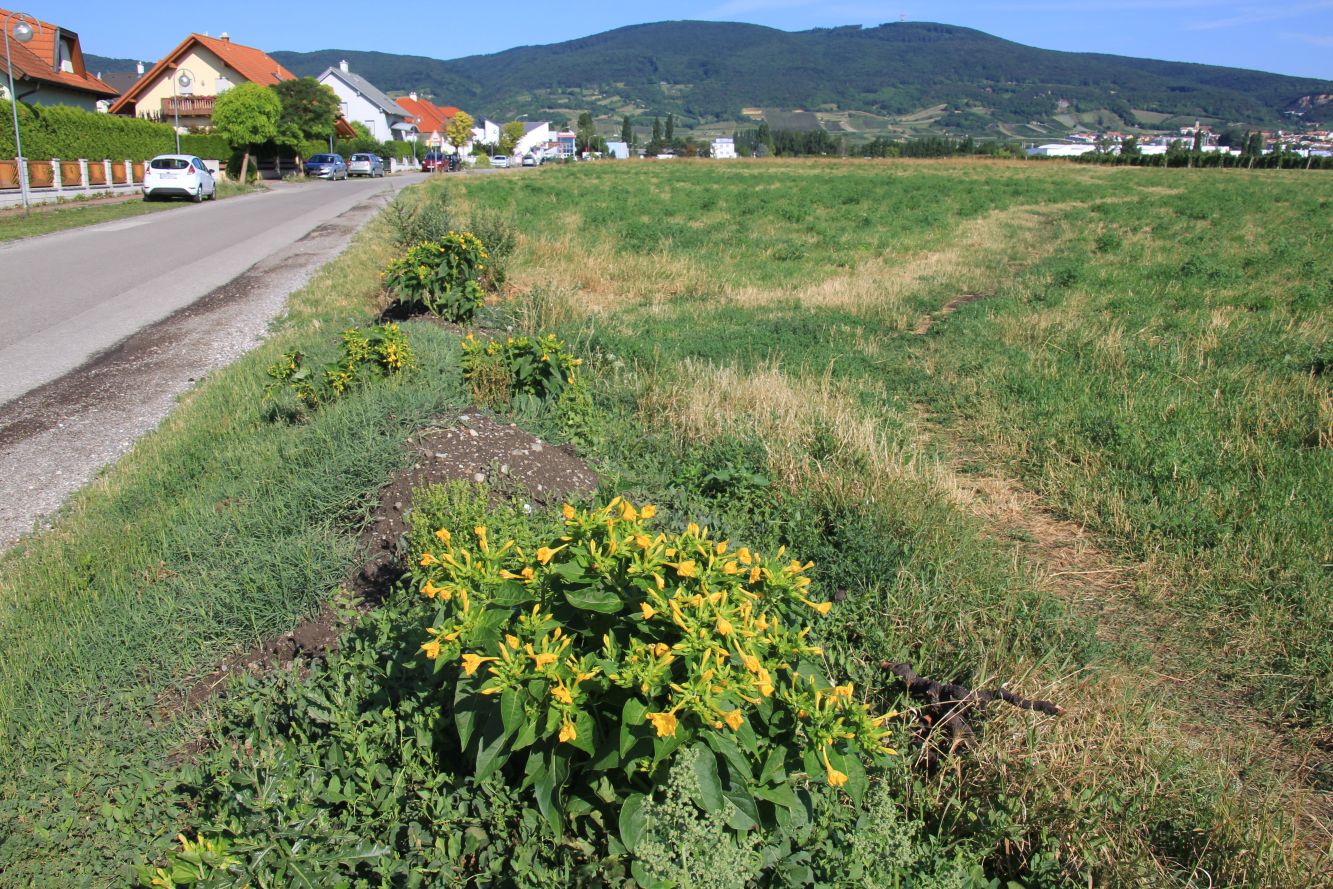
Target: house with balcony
x,y
49,69
360,101
212,66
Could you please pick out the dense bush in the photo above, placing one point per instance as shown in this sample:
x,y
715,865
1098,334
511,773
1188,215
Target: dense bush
x,y
206,145
523,372
581,668
441,277
59,131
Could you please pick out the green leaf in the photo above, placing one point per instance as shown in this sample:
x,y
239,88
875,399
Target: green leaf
x,y
746,815
511,593
631,717
741,771
492,752
633,819
585,733
511,710
598,599
773,771
710,785
780,795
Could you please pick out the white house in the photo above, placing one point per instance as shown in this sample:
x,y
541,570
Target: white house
x,y
724,149
486,132
362,102
535,135
618,150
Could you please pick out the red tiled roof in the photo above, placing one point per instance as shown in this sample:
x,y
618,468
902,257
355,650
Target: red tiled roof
x,y
36,60
254,65
427,116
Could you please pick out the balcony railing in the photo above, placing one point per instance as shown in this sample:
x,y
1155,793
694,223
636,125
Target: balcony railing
x,y
190,106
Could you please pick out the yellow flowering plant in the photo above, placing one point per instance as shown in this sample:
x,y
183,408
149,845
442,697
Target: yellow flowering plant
x,y
580,669
384,350
520,371
441,277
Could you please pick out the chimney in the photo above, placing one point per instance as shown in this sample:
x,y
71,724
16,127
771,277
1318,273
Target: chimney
x,y
225,36
412,96
342,66
139,68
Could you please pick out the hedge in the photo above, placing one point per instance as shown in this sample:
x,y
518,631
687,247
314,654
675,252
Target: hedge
x,y
60,131
206,145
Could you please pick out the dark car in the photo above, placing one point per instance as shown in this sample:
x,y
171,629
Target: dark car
x,y
326,166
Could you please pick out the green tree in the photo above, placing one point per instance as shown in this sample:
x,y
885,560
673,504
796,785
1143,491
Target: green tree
x,y
510,133
245,116
657,129
670,134
586,134
309,109
627,132
459,130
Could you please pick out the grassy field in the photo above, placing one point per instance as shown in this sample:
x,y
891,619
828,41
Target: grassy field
x,y
1061,428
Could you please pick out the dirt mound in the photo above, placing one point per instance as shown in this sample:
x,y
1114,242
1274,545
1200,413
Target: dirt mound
x,y
478,449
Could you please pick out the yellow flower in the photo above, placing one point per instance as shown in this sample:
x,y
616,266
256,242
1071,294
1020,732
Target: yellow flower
x,y
765,683
734,719
751,663
429,559
568,512
472,661
723,627
665,723
836,778
545,553
511,641
543,659
432,649
754,574
444,535
721,547
567,732
642,541
628,512
648,511
561,694
648,610
686,568
730,568
481,537
821,607
430,590
744,555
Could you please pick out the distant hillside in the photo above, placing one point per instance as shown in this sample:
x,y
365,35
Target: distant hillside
x,y
901,75
107,65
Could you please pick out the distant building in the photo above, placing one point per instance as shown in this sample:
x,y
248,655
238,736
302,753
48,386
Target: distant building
x,y
567,142
362,102
486,132
1060,150
431,121
49,70
535,135
724,149
618,150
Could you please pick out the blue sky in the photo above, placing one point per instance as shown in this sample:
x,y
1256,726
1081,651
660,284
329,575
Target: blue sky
x,y
1293,37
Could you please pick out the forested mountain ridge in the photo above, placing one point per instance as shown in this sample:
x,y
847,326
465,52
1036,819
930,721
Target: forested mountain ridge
x,y
950,78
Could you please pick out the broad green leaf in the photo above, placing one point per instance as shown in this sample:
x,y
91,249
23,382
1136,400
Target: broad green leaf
x,y
585,733
773,771
511,593
632,820
779,794
492,751
710,785
741,771
598,599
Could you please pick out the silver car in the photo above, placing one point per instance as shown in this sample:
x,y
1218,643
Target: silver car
x,y
365,165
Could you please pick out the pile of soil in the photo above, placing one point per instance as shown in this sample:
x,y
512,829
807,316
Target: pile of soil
x,y
478,448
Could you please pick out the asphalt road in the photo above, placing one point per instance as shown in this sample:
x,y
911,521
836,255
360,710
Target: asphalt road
x,y
103,328
67,297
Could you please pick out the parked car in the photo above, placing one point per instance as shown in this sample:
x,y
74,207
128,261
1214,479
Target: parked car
x,y
500,161
435,160
178,175
529,160
365,165
326,166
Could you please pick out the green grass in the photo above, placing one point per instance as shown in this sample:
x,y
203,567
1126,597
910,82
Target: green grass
x,y
46,218
1151,358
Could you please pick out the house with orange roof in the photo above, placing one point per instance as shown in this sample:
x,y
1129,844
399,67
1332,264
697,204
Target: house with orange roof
x,y
49,69
430,120
210,66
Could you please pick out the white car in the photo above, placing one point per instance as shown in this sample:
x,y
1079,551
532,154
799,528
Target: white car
x,y
530,160
178,175
499,160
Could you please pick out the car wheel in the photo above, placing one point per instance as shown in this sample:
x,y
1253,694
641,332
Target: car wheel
x,y
213,195
199,194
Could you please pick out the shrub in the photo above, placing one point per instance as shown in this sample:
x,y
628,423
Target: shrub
x,y
496,230
425,216
580,670
384,350
59,131
441,276
522,372
206,145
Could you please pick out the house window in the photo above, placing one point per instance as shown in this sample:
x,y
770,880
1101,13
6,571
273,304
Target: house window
x,y
221,85
66,59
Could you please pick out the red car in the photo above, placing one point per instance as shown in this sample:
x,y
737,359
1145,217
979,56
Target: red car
x,y
436,160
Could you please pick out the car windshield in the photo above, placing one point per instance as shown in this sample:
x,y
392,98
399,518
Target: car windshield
x,y
169,163
324,159
361,157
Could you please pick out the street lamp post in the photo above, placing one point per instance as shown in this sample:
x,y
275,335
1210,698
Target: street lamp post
x,y
184,78
22,33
